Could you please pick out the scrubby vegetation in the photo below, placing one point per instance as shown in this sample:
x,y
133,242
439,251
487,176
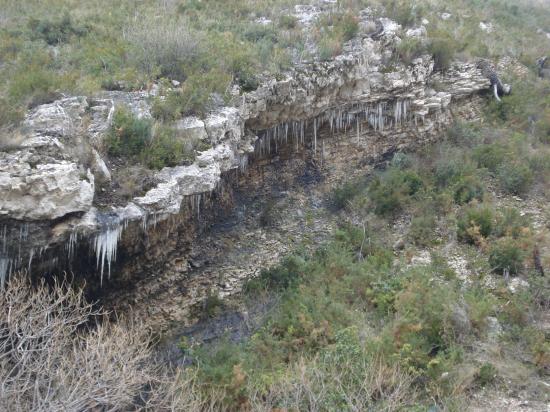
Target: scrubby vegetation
x,y
53,47
136,139
380,317
361,306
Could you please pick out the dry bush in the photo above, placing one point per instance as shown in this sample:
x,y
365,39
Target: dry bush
x,y
161,47
180,391
54,356
317,385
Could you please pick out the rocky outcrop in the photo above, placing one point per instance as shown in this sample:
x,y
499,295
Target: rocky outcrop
x,y
48,181
42,191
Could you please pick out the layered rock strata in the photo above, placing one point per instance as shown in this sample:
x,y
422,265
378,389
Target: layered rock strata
x,y
50,220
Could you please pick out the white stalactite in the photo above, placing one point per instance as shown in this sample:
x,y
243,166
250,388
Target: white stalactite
x,y
379,116
105,248
6,265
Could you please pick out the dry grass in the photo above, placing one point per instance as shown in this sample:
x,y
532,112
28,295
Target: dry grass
x,y
166,44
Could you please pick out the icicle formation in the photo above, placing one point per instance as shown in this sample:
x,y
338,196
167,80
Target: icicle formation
x,y
10,263
71,245
379,116
6,267
195,204
4,261
105,246
243,163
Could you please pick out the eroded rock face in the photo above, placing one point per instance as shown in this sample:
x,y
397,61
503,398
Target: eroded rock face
x,y
52,174
42,191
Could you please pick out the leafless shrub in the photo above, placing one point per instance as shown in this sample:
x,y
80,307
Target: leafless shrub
x,y
161,46
180,391
315,385
51,359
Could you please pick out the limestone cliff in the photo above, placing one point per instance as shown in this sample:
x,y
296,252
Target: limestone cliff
x,y
50,219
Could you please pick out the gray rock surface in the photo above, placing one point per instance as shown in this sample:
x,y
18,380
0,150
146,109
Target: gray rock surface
x,y
42,191
50,175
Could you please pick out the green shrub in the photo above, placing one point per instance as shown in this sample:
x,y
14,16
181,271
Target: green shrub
x,y
480,304
440,265
401,161
332,31
404,12
135,138
328,48
169,108
515,178
162,49
11,44
258,32
56,32
506,254
464,134
190,6
518,106
387,200
217,362
194,97
490,156
166,150
411,182
287,274
409,49
510,223
129,135
10,114
422,230
349,26
33,86
247,80
381,293
197,90
475,223
442,48
543,128
540,164
288,22
451,169
423,325
344,194
467,189
389,192
486,374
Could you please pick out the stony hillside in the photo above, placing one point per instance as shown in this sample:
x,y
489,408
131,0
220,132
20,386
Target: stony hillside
x,y
338,205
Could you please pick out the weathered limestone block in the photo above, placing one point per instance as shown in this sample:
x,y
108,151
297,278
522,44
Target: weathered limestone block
x,y
176,184
60,118
224,125
43,191
191,128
